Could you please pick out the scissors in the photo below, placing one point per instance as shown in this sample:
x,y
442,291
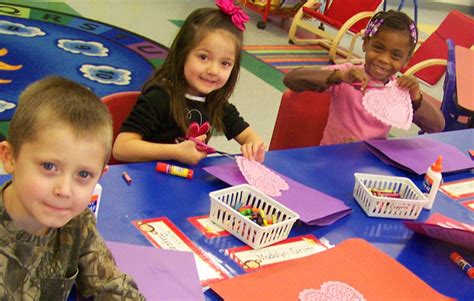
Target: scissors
x,y
203,147
369,86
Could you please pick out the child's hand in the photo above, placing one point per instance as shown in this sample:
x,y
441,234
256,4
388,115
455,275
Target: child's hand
x,y
253,151
411,84
201,138
355,75
187,153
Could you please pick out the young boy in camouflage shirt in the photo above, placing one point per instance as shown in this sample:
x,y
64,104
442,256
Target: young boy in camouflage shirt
x,y
57,148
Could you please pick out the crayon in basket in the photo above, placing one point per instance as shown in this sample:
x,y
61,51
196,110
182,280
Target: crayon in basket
x,y
256,215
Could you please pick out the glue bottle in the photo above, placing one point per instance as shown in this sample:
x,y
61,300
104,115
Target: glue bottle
x,y
432,181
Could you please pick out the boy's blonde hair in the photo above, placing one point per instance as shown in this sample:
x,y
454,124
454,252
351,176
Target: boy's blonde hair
x,y
57,101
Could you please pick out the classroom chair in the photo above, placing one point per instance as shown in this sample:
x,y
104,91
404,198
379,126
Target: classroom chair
x,y
347,16
457,27
400,8
120,104
301,119
455,117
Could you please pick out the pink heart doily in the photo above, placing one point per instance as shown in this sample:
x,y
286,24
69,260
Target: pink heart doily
x,y
331,290
391,105
195,130
261,177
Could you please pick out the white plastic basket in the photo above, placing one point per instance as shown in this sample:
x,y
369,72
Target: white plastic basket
x,y
408,206
223,214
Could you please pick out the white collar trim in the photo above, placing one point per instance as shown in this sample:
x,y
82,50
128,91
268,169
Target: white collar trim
x,y
196,98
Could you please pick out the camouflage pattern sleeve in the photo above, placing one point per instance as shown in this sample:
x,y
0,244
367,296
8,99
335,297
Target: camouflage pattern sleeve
x,y
99,276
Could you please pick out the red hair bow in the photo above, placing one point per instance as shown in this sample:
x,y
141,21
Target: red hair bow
x,y
237,15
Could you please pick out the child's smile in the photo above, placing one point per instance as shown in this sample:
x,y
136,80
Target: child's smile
x,y
209,64
386,53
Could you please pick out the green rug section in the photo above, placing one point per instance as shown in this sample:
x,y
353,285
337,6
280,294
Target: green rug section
x,y
178,23
48,5
267,73
4,127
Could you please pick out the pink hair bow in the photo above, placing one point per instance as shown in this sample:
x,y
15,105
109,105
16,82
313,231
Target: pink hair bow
x,y
237,15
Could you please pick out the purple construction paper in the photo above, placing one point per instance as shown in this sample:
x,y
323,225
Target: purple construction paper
x,y
160,274
417,154
313,206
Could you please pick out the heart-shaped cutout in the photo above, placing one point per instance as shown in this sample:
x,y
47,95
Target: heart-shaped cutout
x,y
331,290
390,105
261,177
196,130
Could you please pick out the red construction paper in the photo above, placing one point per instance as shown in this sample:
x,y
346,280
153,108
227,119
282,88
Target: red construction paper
x,y
354,262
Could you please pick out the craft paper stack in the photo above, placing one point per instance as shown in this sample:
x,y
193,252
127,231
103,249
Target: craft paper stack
x,y
417,154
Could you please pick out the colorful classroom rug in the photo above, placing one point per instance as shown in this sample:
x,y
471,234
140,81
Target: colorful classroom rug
x,y
285,58
36,42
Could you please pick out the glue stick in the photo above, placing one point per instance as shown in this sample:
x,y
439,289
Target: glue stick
x,y
174,170
432,181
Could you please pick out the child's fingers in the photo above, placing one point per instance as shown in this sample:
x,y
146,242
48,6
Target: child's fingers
x,y
406,81
363,78
260,154
189,153
201,138
246,151
410,84
253,151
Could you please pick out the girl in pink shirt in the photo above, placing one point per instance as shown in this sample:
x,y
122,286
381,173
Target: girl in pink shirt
x,y
389,41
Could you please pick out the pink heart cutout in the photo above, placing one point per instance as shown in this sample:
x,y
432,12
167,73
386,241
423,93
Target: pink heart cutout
x,y
261,177
390,105
331,290
195,130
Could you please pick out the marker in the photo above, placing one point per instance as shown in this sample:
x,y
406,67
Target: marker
x,y
127,178
463,264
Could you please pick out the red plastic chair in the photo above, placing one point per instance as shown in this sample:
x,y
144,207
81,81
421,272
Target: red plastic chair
x,y
457,27
301,119
347,16
120,104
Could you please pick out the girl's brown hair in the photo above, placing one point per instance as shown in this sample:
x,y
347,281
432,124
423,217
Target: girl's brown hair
x,y
170,75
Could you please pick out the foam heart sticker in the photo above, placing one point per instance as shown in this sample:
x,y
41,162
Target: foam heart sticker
x,y
331,290
261,177
390,105
195,130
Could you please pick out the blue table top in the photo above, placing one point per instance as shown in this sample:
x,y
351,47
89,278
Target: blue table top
x,y
329,169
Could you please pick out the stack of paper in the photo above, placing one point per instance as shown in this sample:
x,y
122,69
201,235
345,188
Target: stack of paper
x,y
417,154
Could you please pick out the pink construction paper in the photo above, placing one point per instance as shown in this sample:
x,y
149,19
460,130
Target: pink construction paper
x,y
160,274
417,154
391,105
313,206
